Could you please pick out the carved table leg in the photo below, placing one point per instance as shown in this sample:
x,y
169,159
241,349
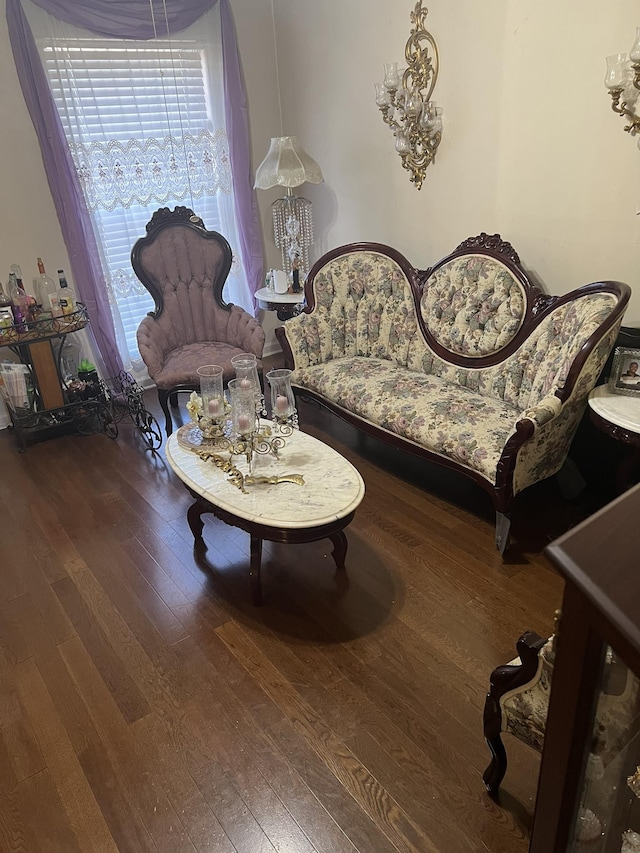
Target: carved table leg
x,y
339,552
194,517
254,570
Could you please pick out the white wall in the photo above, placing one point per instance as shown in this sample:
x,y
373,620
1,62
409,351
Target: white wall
x,y
531,148
28,221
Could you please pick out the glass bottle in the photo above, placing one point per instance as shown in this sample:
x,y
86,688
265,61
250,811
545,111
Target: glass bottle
x,y
45,289
19,303
5,299
6,312
66,296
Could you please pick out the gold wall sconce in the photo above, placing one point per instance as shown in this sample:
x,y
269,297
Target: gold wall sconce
x,y
623,82
404,99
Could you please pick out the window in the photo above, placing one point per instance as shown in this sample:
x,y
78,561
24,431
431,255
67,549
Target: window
x,y
144,121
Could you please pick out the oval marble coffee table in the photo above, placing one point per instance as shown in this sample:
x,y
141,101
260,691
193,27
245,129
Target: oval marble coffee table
x,y
320,508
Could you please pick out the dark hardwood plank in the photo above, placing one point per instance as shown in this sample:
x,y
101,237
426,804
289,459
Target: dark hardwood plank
x,y
71,785
146,705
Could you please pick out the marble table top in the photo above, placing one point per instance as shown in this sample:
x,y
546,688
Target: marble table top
x,y
267,295
332,488
616,408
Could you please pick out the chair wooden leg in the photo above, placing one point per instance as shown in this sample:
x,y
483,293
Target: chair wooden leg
x,y
163,398
505,679
494,774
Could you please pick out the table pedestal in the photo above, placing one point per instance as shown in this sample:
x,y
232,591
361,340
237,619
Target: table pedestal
x,y
618,416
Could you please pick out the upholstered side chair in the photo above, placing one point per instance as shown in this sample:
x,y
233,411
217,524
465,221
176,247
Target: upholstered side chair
x,y
184,267
518,701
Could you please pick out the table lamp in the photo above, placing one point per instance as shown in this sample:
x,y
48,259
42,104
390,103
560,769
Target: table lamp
x,y
288,165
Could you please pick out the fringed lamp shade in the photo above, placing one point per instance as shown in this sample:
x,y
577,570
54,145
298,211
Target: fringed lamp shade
x,y
288,165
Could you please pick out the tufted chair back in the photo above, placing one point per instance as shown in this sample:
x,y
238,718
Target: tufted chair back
x,y
184,267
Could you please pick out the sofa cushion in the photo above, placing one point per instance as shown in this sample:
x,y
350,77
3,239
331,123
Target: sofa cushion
x,y
181,365
450,420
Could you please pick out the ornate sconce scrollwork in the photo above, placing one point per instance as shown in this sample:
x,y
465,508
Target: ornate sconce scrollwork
x,y
405,102
623,82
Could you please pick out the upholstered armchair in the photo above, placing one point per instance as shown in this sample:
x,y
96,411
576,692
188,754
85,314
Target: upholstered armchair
x,y
184,267
518,701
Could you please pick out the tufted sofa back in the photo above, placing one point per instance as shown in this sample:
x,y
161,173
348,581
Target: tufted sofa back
x,y
473,305
475,323
364,305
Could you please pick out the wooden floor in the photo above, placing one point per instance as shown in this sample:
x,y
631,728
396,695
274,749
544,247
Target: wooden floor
x,y
146,705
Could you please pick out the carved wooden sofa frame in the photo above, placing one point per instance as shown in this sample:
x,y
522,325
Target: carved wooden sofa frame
x,y
467,363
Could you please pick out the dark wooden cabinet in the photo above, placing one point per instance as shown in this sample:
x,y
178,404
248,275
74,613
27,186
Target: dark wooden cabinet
x,y
587,799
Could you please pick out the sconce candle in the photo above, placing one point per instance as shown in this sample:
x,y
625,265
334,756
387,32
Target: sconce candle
x,y
405,102
214,407
282,405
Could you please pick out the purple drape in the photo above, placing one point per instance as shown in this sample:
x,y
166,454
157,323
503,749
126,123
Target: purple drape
x,y
126,19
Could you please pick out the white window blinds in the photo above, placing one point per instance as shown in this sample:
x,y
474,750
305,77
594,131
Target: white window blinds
x,y
145,127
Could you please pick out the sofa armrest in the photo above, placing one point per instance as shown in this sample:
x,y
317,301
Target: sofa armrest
x,y
543,412
300,341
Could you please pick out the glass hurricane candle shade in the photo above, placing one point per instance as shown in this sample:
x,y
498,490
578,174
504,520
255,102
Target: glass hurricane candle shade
x,y
616,75
211,390
283,404
246,368
634,53
391,76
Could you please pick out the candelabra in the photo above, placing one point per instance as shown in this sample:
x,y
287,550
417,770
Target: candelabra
x,y
623,82
235,428
405,101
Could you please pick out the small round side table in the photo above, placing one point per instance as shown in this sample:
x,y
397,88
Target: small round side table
x,y
618,416
285,304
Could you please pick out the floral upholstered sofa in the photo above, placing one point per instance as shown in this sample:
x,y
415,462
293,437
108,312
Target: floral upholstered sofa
x,y
466,363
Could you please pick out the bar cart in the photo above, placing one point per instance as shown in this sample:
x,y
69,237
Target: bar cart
x,y
52,408
589,789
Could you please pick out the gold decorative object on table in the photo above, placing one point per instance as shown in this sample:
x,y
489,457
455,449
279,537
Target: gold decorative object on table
x,y
235,475
405,103
297,479
623,82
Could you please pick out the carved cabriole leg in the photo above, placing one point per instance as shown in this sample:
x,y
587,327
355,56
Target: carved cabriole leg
x,y
254,570
503,523
505,679
194,517
163,398
339,552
